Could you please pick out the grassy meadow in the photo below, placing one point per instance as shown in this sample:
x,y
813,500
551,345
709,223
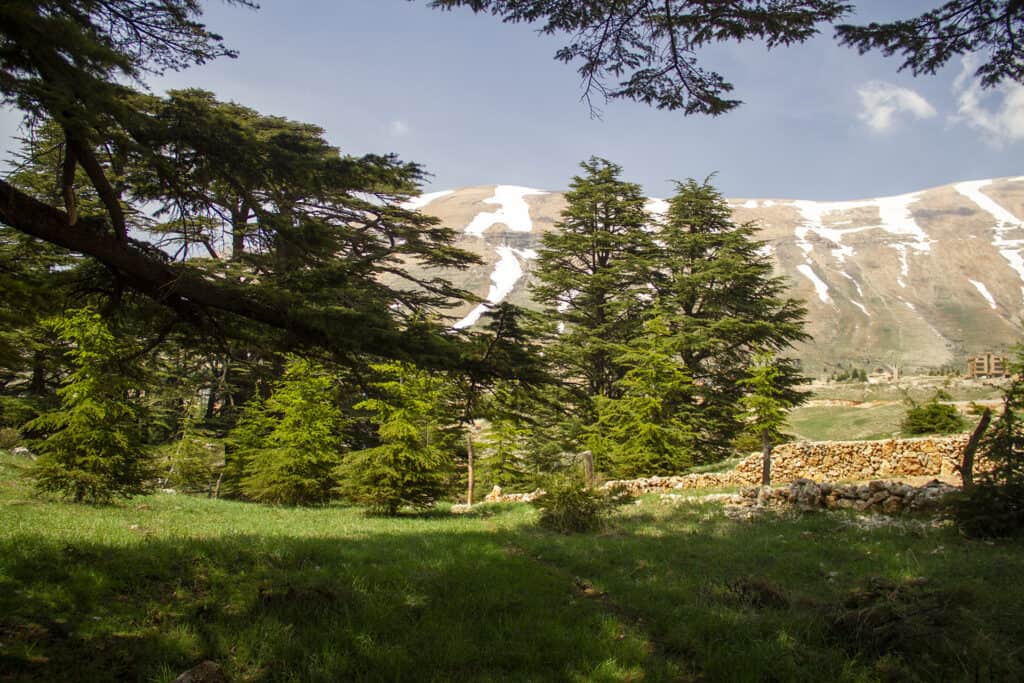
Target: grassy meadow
x,y
854,411
147,588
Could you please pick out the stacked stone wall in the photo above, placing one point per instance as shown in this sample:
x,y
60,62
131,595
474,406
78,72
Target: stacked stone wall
x,y
830,461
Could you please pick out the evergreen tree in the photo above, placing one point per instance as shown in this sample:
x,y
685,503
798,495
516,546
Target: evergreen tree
x,y
416,422
649,429
330,245
92,450
770,383
721,304
586,276
295,437
932,417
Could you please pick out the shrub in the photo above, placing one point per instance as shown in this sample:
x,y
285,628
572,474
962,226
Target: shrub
x,y
413,463
933,417
568,506
9,438
92,450
290,444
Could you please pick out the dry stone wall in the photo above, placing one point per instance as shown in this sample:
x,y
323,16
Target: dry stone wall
x,y
830,461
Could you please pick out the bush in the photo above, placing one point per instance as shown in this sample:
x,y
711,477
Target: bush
x,y
91,448
932,417
9,438
568,506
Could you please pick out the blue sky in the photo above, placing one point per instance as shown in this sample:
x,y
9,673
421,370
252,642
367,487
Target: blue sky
x,y
480,102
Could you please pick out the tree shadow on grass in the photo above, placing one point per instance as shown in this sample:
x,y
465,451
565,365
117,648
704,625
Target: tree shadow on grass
x,y
427,606
805,596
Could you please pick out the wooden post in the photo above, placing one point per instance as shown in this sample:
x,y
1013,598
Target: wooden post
x,y
469,461
967,466
588,467
766,458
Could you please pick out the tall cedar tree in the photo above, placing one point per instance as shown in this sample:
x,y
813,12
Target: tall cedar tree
x,y
416,422
722,306
331,226
649,428
293,461
587,270
92,450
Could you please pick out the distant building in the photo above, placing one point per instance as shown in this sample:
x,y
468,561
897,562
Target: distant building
x,y
988,365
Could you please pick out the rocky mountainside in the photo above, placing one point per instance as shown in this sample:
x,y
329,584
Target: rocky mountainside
x,y
917,281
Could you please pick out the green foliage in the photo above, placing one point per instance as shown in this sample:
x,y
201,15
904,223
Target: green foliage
x,y
722,306
415,419
570,507
928,42
291,443
648,429
586,274
91,449
852,375
995,505
932,417
9,438
191,463
648,51
771,394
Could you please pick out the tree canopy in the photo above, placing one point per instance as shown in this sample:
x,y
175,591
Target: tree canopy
x,y
648,50
261,224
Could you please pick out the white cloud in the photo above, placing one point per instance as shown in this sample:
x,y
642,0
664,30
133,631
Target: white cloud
x,y
882,102
998,113
399,128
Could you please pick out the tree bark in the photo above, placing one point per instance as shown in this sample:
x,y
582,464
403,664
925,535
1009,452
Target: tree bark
x,y
588,467
766,458
967,465
469,461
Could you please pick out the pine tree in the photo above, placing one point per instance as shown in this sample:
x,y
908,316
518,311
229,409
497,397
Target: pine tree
x,y
764,410
722,306
93,449
585,278
649,429
297,438
416,424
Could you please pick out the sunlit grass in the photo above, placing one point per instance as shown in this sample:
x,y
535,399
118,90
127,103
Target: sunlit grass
x,y
146,589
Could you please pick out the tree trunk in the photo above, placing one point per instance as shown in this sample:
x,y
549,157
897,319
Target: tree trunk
x,y
766,458
588,467
967,466
469,461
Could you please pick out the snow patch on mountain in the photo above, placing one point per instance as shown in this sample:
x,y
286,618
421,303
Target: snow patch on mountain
x,y
417,203
819,285
983,290
513,210
658,207
507,272
894,217
1009,249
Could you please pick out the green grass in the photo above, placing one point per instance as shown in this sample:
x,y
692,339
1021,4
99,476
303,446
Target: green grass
x,y
146,589
847,423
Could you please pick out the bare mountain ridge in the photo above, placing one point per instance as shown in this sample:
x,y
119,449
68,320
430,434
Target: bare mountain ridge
x,y
919,280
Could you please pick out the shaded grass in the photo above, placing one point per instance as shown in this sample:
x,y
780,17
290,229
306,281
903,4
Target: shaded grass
x,y
146,589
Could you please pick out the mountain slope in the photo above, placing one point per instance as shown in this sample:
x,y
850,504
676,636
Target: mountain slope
x,y
918,280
